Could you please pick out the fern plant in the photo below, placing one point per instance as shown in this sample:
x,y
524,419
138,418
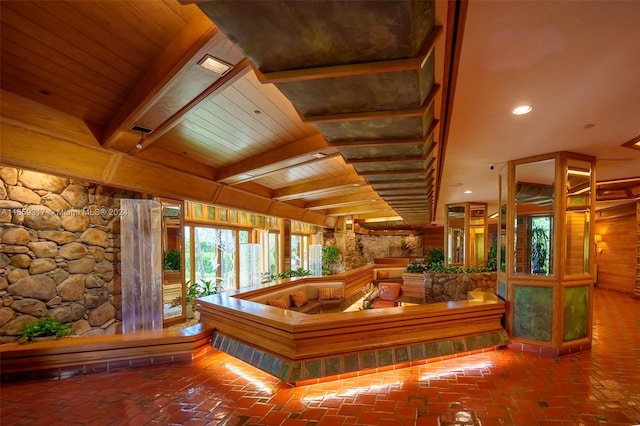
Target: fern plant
x,y
43,328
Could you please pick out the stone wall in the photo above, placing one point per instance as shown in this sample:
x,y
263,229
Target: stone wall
x,y
59,253
448,287
358,250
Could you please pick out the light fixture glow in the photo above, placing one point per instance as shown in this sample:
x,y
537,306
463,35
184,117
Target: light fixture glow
x,y
318,155
578,172
215,65
468,191
521,109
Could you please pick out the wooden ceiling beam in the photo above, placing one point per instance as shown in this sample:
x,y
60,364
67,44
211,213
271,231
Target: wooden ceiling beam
x,y
359,209
378,115
324,186
352,70
345,200
179,55
290,155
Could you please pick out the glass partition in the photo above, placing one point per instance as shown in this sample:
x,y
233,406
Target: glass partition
x,y
455,234
173,289
502,223
477,235
577,220
534,212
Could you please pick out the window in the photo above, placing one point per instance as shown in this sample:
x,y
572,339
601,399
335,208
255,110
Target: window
x,y
211,255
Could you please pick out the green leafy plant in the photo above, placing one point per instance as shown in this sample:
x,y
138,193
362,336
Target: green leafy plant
x,y
203,288
539,250
492,259
433,256
172,260
44,327
415,266
300,272
330,258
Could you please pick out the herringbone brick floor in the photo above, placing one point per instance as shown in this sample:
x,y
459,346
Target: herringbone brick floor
x,y
596,387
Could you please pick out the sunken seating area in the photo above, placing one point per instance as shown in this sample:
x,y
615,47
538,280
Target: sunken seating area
x,y
308,298
301,349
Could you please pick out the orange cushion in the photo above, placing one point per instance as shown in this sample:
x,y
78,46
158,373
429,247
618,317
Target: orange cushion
x,y
389,291
383,304
329,293
383,274
299,298
280,302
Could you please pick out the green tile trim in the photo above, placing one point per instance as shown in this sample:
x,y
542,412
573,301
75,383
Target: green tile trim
x,y
292,372
332,366
312,370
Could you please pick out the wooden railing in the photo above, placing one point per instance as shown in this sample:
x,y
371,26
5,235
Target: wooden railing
x,y
300,340
63,357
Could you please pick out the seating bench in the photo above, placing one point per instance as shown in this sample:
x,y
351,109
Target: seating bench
x,y
318,299
386,295
391,274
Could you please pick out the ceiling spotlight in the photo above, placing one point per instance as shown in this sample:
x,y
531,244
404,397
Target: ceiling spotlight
x,y
468,191
214,64
521,110
141,141
318,155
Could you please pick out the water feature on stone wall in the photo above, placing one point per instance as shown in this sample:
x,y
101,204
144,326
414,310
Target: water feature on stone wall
x,y
141,246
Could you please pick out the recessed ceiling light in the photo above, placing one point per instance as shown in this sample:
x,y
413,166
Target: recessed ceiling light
x,y
214,64
318,155
468,191
521,110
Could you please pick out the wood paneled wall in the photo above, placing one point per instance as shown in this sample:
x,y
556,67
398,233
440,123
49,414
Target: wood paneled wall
x,y
433,237
616,263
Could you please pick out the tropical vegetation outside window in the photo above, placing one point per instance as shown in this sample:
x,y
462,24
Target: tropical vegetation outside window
x,y
299,252
274,253
210,255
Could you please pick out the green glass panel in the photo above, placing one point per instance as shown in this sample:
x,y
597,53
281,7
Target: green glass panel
x,y
576,313
533,313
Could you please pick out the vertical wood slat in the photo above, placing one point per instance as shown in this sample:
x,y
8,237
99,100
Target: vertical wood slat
x,y
617,262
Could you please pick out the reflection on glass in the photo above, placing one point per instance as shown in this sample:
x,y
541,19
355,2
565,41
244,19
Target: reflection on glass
x,y
274,253
477,237
577,225
455,235
534,197
172,253
502,222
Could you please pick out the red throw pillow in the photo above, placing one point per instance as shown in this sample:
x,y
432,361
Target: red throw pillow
x,y
389,291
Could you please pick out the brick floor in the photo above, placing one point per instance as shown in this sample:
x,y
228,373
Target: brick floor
x,y
596,387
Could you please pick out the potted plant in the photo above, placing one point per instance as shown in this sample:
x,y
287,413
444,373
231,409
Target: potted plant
x,y
44,327
433,257
413,279
172,260
195,290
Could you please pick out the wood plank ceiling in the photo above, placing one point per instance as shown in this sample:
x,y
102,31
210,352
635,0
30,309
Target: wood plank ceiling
x,y
364,74
331,114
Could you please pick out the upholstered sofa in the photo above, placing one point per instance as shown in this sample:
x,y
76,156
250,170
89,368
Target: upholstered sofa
x,y
386,295
393,275
309,298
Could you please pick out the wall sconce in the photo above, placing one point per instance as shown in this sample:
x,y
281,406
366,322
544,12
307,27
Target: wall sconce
x,y
598,239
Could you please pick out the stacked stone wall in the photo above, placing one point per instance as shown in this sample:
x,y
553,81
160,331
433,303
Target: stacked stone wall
x,y
448,287
59,253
